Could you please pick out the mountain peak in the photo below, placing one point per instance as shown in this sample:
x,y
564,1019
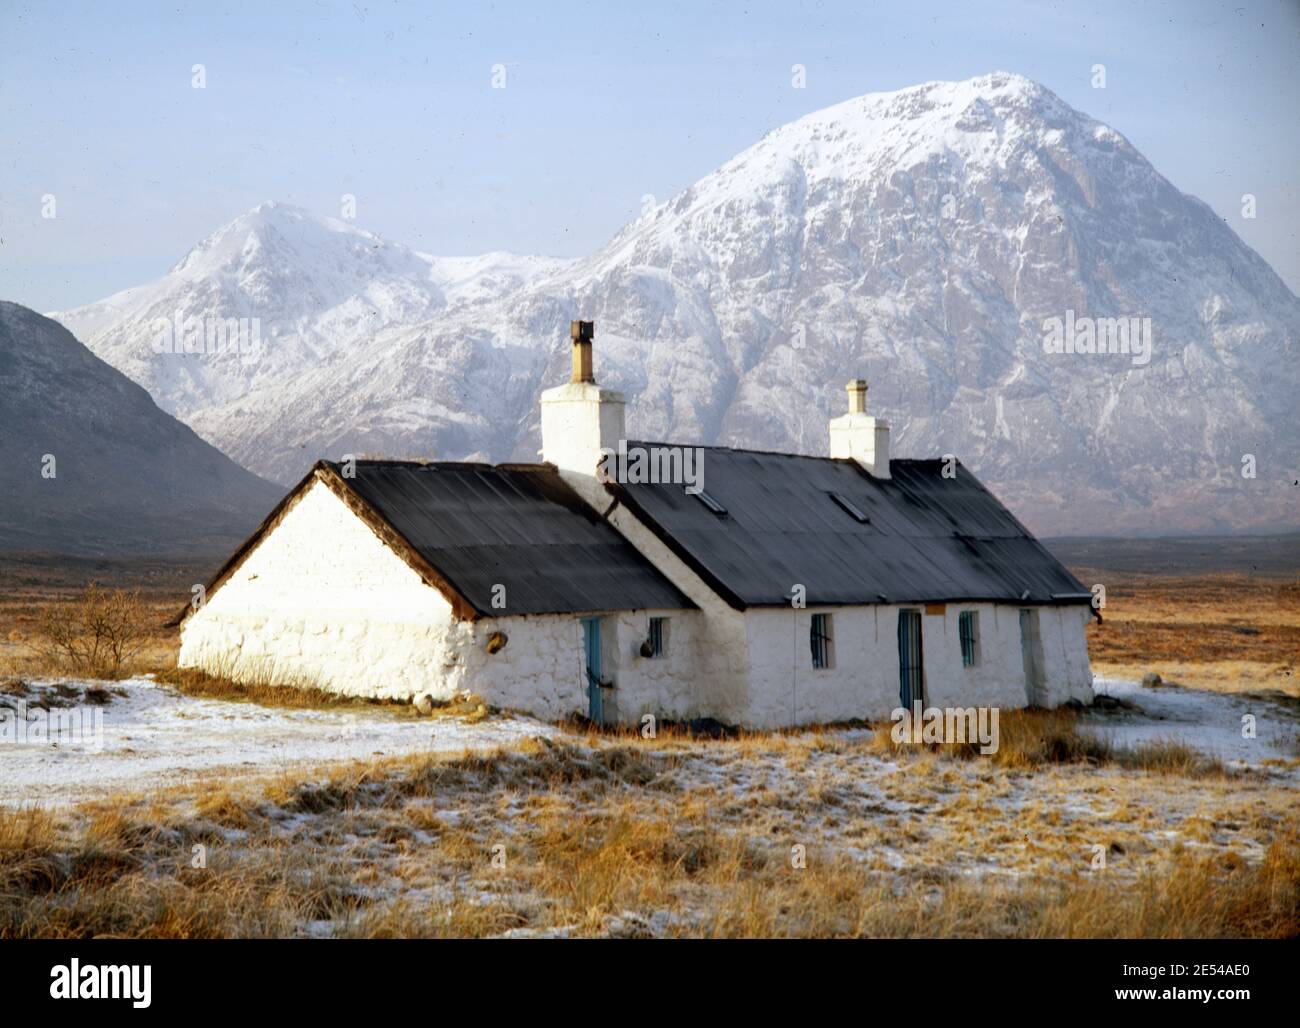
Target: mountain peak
x,y
280,213
937,105
1006,81
272,225
992,86
270,206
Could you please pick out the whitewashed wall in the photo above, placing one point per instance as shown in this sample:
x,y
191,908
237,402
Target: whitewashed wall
x,y
663,686
1065,649
541,669
323,601
718,683
784,687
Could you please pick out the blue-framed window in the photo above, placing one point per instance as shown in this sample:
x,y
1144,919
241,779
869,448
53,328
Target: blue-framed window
x,y
657,638
968,630
819,638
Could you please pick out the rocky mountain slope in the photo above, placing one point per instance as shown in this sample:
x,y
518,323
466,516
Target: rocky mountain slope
x,y
93,466
922,239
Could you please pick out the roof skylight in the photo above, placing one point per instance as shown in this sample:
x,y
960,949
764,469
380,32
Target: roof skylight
x,y
850,508
711,503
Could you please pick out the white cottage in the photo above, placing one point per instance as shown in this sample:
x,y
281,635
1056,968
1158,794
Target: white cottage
x,y
624,577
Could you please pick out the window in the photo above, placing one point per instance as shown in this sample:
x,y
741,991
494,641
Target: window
x,y
823,647
968,628
850,508
656,643
711,503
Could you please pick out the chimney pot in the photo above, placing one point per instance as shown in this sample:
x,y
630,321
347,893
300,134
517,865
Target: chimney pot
x,y
857,389
859,436
581,422
582,333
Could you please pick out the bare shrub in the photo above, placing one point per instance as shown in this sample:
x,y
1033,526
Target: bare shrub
x,y
1170,756
97,634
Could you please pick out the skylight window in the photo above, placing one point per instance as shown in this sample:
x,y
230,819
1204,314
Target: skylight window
x,y
850,508
711,503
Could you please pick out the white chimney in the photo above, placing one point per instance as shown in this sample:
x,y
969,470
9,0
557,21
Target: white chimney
x,y
580,418
859,436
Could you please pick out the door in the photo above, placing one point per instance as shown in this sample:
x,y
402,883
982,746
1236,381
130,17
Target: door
x,y
591,663
911,675
1031,655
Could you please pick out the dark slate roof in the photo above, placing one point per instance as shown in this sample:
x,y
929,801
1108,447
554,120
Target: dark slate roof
x,y
521,526
928,539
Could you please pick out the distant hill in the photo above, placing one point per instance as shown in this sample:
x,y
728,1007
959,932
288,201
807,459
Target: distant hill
x,y
1258,555
92,466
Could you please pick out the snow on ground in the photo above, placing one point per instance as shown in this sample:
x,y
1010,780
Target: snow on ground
x,y
1209,721
155,737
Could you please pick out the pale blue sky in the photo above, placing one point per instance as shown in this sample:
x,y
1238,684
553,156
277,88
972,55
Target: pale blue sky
x,y
604,103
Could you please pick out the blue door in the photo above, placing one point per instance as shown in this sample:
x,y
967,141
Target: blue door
x,y
1031,655
591,649
910,672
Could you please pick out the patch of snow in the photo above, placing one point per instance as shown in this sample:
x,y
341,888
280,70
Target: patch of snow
x,y
1210,722
155,737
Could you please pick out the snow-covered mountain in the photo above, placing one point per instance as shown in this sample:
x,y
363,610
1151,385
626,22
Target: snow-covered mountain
x,y
317,286
921,238
93,466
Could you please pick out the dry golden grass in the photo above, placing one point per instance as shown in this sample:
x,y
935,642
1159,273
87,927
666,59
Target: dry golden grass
x,y
30,583
22,653
691,838
1029,739
194,682
1231,632
1192,898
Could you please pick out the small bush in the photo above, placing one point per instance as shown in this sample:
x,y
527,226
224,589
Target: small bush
x,y
98,634
1170,756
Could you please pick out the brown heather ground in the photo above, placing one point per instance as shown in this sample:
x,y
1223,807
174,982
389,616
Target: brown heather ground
x,y
616,835
591,836
1227,631
32,581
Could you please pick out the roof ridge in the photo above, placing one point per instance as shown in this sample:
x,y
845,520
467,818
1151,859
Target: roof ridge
x,y
781,453
438,465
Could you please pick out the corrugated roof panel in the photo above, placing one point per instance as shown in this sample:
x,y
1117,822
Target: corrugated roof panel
x,y
514,525
928,537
